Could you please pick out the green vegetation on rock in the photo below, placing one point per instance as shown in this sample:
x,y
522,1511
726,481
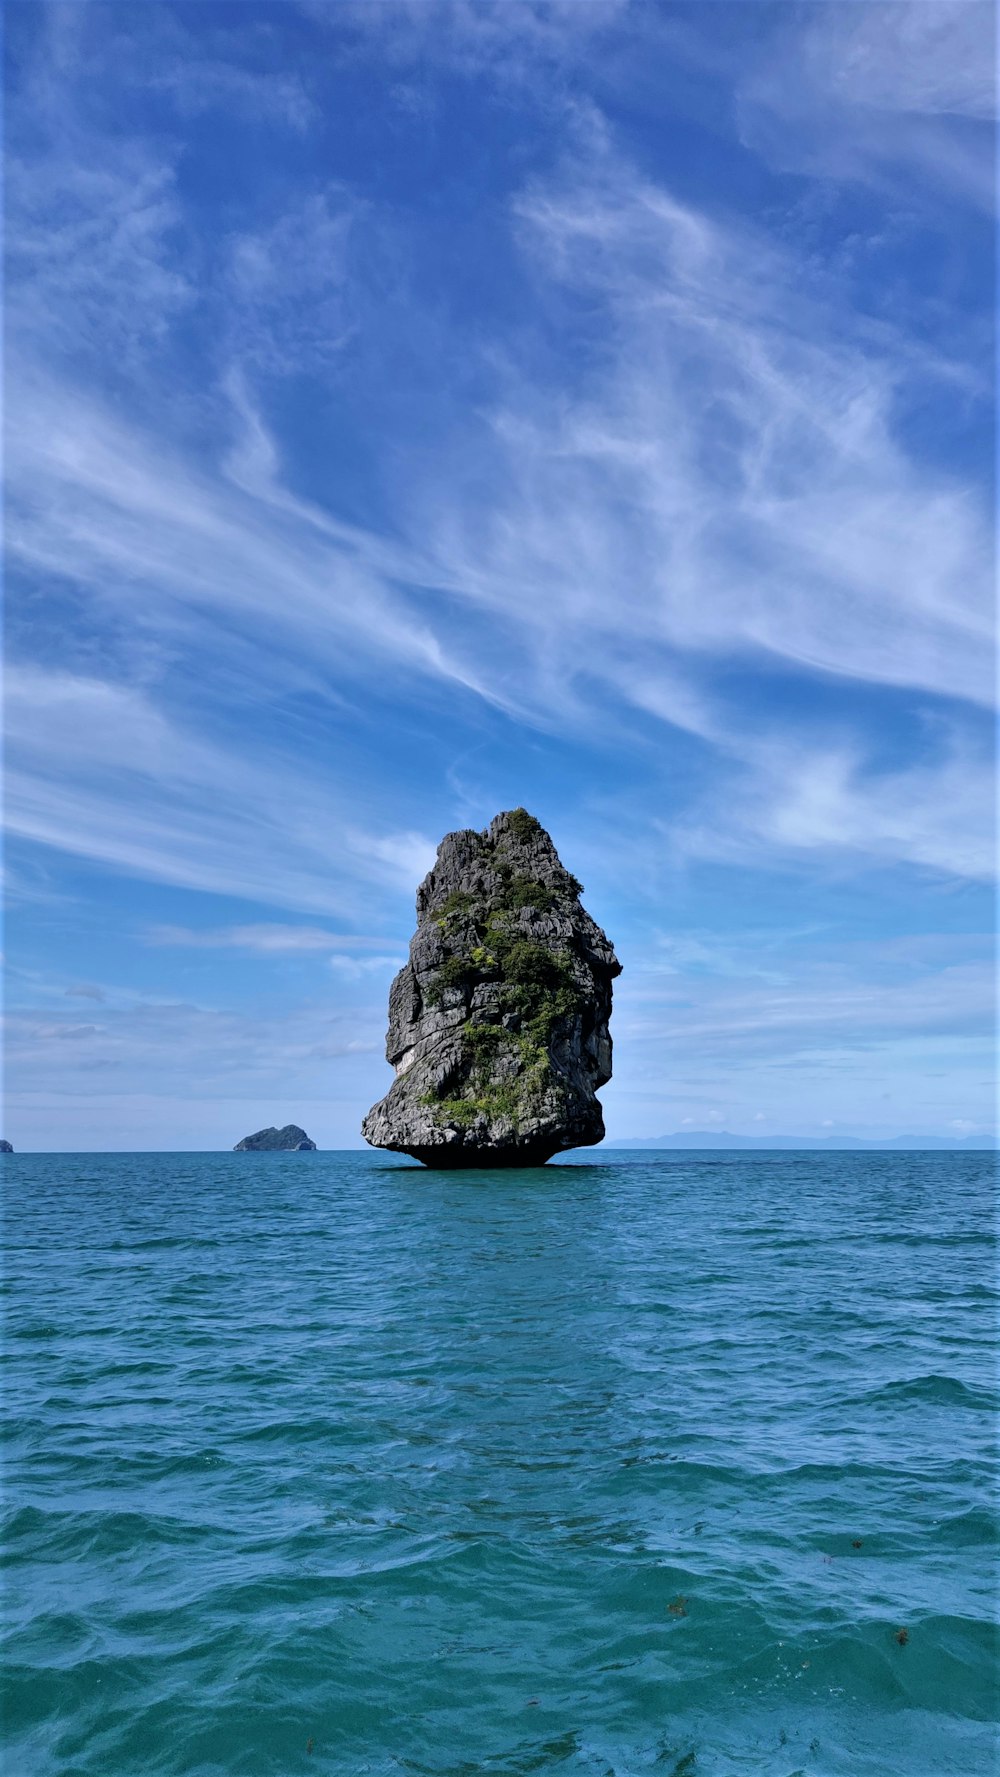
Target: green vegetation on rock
x,y
508,1065
524,826
537,984
524,891
508,1097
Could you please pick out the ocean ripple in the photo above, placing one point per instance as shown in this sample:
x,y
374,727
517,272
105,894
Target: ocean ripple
x,y
634,1464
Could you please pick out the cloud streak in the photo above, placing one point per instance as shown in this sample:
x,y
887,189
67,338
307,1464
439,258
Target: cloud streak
x,y
262,940
98,770
872,93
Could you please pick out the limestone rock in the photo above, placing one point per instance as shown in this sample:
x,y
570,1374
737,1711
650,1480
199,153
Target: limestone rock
x,y
291,1139
498,1024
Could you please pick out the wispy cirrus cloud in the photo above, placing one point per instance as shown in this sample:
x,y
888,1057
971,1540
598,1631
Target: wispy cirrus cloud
x,y
795,803
356,968
268,939
179,1074
91,262
97,502
729,480
874,92
518,41
896,1041
293,295
734,478
198,83
98,770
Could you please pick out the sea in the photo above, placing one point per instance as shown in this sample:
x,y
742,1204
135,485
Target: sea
x,y
639,1462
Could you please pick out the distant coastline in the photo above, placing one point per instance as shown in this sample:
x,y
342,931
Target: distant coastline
x,y
708,1138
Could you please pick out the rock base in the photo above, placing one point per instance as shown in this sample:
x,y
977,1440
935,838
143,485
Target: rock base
x,y
459,1159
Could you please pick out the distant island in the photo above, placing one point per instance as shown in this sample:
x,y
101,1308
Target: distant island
x,y
5,1147
290,1140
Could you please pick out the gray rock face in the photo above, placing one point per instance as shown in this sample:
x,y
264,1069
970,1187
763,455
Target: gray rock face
x,y
291,1139
498,1024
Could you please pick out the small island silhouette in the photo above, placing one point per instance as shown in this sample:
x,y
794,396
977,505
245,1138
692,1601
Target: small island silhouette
x,y
290,1140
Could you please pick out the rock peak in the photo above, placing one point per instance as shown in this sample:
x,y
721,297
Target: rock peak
x,y
498,1024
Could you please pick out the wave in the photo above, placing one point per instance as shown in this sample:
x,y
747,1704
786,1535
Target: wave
x,y
933,1390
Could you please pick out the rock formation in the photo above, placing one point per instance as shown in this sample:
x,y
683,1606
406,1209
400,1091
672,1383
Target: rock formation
x,y
291,1139
498,1024
5,1147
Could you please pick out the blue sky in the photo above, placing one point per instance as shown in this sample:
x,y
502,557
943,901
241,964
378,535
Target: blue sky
x,y
416,410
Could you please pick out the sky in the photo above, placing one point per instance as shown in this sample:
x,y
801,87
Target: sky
x,y
422,408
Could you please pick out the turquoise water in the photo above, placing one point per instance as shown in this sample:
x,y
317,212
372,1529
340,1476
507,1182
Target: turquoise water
x,y
322,1463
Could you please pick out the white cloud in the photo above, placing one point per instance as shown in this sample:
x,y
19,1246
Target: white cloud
x,y
177,1075
102,504
357,967
732,481
91,258
291,297
820,1003
793,801
853,1029
97,769
874,91
197,83
926,56
61,1033
408,854
517,41
263,940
